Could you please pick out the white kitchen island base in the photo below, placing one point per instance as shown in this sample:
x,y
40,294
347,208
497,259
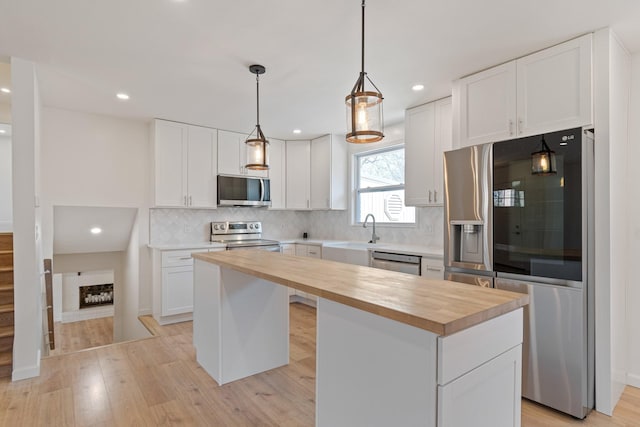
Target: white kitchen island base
x,y
373,371
240,323
373,366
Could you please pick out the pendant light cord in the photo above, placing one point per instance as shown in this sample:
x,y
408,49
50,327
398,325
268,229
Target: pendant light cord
x,y
258,100
362,56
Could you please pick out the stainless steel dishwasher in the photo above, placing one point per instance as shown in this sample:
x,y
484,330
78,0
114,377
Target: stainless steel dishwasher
x,y
396,262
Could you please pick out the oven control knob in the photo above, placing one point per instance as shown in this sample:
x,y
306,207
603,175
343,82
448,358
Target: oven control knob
x,y
251,226
223,227
257,226
215,227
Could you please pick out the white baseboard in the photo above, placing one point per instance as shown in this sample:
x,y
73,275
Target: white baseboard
x,y
167,320
86,314
27,372
633,380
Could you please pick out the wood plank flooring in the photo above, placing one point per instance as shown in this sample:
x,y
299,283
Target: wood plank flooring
x,y
75,336
157,382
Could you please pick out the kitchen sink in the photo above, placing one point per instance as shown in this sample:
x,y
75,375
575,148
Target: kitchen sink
x,y
349,252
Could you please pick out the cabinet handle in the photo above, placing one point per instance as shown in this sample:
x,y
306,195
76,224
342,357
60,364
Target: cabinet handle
x,y
190,201
510,127
307,203
185,201
434,268
435,196
429,196
185,258
520,126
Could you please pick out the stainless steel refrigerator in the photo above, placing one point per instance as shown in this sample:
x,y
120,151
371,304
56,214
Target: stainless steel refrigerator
x,y
531,201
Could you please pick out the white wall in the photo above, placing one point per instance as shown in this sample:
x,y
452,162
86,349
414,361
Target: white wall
x,y
128,326
96,160
611,91
633,285
6,203
27,241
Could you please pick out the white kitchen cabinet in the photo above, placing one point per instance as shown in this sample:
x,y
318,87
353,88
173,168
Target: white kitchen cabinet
x,y
328,173
232,155
489,394
311,251
277,173
185,165
428,134
546,91
432,268
298,166
173,285
289,249
479,374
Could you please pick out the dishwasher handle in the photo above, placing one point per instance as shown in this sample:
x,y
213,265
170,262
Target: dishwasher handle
x,y
388,256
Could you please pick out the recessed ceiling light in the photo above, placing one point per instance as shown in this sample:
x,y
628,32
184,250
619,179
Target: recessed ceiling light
x,y
297,131
122,96
417,87
96,230
5,89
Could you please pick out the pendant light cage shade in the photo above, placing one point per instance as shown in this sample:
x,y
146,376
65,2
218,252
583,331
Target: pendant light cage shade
x,y
364,117
257,146
257,152
365,120
543,162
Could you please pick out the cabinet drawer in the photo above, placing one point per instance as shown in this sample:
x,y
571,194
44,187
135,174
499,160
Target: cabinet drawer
x,y
314,251
179,258
465,350
432,269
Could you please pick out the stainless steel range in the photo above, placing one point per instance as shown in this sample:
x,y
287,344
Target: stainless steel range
x,y
242,235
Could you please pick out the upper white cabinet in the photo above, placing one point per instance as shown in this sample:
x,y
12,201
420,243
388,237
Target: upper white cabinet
x,y
185,161
328,173
232,155
547,91
428,133
298,166
277,173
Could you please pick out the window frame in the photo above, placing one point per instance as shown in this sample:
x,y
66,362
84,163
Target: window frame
x,y
357,191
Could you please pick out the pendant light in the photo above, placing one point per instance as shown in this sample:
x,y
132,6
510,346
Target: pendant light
x,y
364,108
543,162
257,148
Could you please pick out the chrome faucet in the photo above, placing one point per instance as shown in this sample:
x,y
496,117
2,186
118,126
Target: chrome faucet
x,y
374,238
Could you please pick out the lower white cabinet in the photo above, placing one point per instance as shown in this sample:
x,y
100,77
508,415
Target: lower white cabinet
x,y
173,285
432,268
312,251
489,394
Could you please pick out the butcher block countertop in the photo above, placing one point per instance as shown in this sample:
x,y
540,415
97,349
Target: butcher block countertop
x,y
438,306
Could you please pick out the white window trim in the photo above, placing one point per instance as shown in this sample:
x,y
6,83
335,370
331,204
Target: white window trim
x,y
362,150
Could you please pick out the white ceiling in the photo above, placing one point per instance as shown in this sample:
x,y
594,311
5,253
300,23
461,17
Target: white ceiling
x,y
72,225
187,60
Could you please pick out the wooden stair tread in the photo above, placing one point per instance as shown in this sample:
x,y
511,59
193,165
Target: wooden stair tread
x,y
6,268
6,331
7,251
6,308
4,288
6,358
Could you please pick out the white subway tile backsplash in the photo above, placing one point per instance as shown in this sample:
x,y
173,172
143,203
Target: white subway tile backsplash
x,y
183,226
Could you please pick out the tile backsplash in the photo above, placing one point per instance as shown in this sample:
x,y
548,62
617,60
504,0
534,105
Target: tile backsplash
x,y
180,226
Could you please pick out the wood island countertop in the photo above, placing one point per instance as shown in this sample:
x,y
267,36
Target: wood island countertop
x,y
439,306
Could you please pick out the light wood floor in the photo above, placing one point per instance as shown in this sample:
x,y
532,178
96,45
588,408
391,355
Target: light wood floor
x,y
75,336
156,381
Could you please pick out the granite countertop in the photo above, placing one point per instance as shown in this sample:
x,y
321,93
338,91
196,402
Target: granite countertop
x,y
439,306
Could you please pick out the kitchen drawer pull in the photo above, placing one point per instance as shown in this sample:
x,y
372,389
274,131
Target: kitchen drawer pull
x,y
185,257
434,268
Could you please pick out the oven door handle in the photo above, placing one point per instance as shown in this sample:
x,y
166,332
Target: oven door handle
x,y
262,190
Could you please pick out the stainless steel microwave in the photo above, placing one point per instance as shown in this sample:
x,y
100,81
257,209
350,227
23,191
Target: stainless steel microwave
x,y
243,191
